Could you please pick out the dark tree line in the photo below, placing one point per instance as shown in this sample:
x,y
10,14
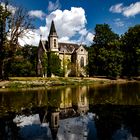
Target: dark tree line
x,y
113,56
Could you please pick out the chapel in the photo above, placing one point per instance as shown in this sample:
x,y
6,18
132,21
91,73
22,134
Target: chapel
x,y
74,57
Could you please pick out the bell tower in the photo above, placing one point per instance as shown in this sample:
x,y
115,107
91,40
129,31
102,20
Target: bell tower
x,y
53,39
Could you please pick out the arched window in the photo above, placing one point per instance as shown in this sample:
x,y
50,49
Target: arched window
x,y
82,62
54,43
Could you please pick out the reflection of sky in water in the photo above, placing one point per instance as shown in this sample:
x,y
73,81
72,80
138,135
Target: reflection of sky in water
x,y
123,134
77,128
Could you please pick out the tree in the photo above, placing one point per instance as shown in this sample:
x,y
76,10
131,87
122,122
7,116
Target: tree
x,y
19,25
104,35
44,63
131,50
55,64
105,57
20,67
12,27
23,63
4,16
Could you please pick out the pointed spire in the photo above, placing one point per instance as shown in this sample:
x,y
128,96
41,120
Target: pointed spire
x,y
53,30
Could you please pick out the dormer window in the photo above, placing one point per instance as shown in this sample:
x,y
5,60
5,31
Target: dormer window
x,y
54,43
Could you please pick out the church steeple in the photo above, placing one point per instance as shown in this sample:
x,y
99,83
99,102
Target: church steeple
x,y
53,39
52,30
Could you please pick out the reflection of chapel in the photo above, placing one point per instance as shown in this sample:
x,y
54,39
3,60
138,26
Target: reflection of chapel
x,y
68,52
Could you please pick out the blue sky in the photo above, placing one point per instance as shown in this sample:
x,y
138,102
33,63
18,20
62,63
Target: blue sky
x,y
75,20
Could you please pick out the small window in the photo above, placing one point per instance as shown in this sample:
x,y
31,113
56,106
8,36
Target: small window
x,y
82,62
54,43
81,50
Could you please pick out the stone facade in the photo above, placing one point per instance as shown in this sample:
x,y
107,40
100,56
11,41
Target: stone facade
x,y
68,53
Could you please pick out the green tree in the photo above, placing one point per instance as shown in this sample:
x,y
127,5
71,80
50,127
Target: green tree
x,y
44,63
131,50
54,65
20,67
104,35
23,63
105,57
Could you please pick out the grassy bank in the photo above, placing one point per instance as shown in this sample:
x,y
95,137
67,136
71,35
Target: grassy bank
x,y
29,82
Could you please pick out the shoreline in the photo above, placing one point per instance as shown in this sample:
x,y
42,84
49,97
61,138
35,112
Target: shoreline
x,y
39,82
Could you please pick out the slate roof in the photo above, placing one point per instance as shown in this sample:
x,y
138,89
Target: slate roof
x,y
44,44
67,47
63,47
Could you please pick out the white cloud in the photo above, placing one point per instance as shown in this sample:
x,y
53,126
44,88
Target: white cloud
x,y
89,37
118,22
64,39
132,10
83,32
37,13
32,37
127,11
116,8
68,22
53,6
70,26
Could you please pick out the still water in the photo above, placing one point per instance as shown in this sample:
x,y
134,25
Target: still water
x,y
107,112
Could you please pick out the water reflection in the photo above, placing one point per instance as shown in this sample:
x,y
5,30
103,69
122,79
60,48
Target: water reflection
x,y
64,113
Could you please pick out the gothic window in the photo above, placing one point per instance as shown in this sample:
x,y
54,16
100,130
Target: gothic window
x,y
82,62
54,43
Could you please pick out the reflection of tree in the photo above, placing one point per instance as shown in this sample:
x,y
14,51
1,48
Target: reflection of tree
x,y
17,100
115,94
54,97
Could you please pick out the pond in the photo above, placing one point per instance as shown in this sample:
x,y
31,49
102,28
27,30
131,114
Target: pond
x,y
105,112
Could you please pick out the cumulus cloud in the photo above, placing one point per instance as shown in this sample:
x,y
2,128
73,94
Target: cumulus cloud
x,y
68,22
70,26
37,13
53,6
128,11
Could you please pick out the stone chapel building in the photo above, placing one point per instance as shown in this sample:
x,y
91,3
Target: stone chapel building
x,y
73,54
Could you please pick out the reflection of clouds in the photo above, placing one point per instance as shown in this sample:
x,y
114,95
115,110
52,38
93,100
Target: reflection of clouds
x,y
77,128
